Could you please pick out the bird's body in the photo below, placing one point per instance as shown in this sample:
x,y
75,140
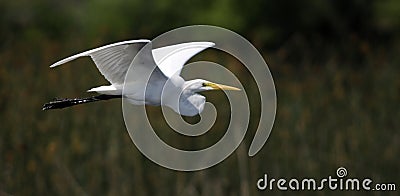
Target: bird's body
x,y
155,79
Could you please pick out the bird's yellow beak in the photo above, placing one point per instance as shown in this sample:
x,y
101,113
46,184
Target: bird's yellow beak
x,y
215,86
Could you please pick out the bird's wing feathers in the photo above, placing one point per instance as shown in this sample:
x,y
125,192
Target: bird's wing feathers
x,y
170,59
112,60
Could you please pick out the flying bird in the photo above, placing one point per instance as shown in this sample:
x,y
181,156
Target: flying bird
x,y
155,79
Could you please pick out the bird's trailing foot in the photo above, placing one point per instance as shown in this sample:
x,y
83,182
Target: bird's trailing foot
x,y
63,103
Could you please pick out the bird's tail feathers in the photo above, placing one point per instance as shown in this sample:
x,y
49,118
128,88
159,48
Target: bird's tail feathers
x,y
108,90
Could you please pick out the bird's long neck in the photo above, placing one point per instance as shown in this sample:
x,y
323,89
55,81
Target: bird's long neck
x,y
63,103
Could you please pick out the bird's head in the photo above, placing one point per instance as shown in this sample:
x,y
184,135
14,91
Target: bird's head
x,y
199,85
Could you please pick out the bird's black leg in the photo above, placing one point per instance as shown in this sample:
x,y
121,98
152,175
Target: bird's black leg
x,y
63,103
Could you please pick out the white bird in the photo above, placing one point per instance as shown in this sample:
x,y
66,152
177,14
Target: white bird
x,y
156,78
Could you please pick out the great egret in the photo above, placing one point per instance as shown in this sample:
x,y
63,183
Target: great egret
x,y
157,78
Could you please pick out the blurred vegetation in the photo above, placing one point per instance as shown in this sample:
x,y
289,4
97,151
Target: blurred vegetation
x,y
335,66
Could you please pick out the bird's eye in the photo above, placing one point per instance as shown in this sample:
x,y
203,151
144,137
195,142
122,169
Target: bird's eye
x,y
204,84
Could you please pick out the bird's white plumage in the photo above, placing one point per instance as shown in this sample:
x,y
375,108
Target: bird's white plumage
x,y
112,60
157,74
170,59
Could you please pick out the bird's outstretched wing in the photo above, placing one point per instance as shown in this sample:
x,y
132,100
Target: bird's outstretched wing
x,y
112,60
170,59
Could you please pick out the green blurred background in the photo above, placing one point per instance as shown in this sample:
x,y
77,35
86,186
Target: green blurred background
x,y
335,66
